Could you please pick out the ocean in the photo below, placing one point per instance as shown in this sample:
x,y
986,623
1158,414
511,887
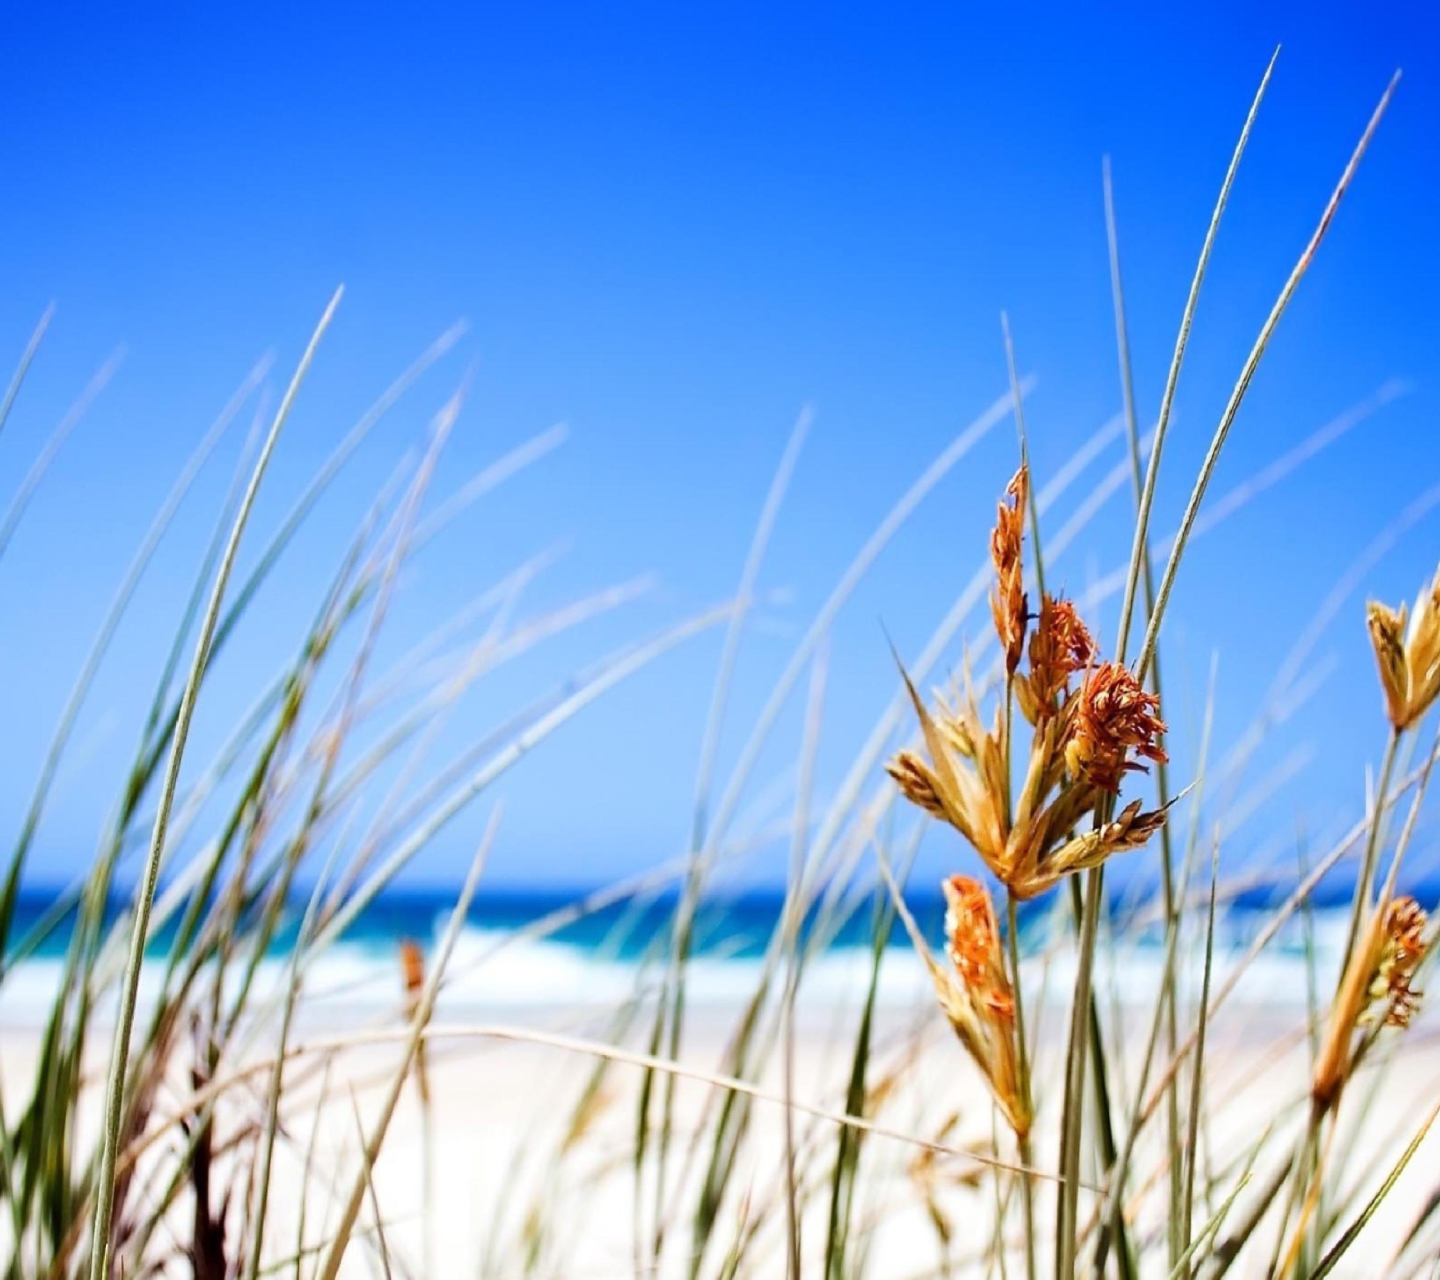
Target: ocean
x,y
509,956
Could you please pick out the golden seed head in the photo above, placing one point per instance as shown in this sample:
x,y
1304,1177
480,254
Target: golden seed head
x,y
972,941
916,782
1422,651
1007,601
1060,646
1408,657
1387,638
962,783
1113,717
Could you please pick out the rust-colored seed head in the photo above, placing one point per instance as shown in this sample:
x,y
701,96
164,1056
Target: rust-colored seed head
x,y
412,968
1403,949
976,996
1007,601
1113,717
973,943
1060,646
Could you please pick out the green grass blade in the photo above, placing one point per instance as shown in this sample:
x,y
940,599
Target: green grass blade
x,y
115,1089
1339,1248
1247,373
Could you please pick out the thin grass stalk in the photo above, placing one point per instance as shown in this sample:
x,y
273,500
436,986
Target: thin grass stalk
x,y
101,644
670,1008
150,748
329,469
820,624
1017,399
612,674
1120,1170
1184,1264
414,1038
369,1170
1365,879
273,1095
309,1165
1072,1123
1022,1062
105,1181
794,912
1072,1115
1096,1043
1177,360
744,597
53,445
1223,1257
1162,770
847,1154
1197,1072
820,627
271,553
733,1121
1077,1054
602,1049
123,595
503,468
1247,373
1307,1154
1027,1188
1267,935
341,727
1338,1250
17,379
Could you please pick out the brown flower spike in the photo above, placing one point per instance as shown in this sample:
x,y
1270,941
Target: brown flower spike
x,y
1113,716
1060,646
976,995
1377,983
1408,657
1007,600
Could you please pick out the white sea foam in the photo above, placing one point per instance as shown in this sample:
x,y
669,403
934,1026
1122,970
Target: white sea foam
x,y
498,970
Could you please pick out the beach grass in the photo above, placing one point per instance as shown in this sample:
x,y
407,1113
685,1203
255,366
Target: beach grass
x,y
179,1115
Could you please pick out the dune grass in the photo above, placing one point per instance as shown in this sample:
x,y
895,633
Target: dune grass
x,y
1090,1139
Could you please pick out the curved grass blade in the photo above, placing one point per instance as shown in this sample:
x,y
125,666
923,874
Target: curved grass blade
x,y
115,1088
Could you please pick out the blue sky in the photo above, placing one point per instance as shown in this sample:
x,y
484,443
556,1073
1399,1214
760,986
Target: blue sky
x,y
671,227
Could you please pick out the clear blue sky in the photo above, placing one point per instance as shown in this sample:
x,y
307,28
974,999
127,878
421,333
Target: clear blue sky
x,y
670,227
